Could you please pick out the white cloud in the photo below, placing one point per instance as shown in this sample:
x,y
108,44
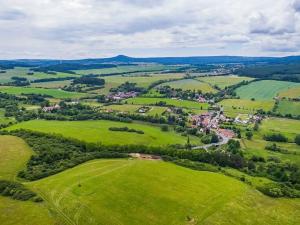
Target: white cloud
x,y
96,28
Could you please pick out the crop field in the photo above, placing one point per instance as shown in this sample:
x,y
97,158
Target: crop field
x,y
126,69
233,107
288,127
56,93
190,84
22,72
174,102
131,192
98,131
134,108
289,107
14,154
264,89
140,80
293,92
223,81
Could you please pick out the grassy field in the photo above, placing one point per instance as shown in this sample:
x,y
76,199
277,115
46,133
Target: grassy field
x,y
288,127
14,154
98,131
190,84
126,69
134,108
140,80
131,192
56,93
257,146
22,72
174,102
289,107
293,92
223,81
3,119
233,107
52,84
264,90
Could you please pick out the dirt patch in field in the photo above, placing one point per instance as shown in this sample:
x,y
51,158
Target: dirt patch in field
x,y
145,156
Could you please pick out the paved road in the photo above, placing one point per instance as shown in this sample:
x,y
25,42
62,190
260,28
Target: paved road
x,y
223,142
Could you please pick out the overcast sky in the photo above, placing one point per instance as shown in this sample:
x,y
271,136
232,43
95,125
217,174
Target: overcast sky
x,y
103,28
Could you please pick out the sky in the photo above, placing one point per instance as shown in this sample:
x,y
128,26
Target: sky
x,y
71,29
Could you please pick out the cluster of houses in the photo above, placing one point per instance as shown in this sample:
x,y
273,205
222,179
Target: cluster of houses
x,y
248,119
122,95
50,108
210,121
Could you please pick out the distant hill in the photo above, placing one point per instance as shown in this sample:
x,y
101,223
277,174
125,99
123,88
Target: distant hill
x,y
162,60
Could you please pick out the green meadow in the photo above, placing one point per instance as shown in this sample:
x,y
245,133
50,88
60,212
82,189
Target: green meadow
x,y
3,119
138,192
293,92
289,107
173,102
264,89
22,72
14,153
126,69
98,131
141,80
287,127
128,108
56,93
223,81
233,107
190,84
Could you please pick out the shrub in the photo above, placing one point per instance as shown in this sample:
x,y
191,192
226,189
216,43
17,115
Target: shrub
x,y
297,139
275,137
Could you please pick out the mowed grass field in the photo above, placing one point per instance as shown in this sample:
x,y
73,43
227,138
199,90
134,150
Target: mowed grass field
x,y
134,192
223,81
293,92
233,107
264,89
14,153
98,131
56,93
173,102
289,107
191,84
288,127
22,72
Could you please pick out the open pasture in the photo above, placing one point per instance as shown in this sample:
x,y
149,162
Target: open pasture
x,y
98,131
264,89
134,108
126,69
56,93
22,72
233,107
288,127
3,119
293,92
173,102
223,81
51,84
14,153
289,107
191,84
131,192
140,80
